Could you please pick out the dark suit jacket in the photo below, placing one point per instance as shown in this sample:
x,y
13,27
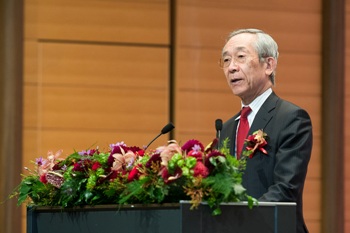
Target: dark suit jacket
x,y
278,176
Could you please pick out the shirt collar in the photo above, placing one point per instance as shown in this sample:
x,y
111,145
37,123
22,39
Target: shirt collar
x,y
257,102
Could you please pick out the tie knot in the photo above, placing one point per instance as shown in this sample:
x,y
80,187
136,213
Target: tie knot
x,y
245,112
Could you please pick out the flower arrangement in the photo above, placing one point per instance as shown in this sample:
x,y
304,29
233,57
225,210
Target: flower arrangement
x,y
128,175
255,142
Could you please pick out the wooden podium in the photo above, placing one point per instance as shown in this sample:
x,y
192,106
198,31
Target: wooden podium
x,y
268,217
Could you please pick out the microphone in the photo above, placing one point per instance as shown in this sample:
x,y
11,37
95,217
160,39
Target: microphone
x,y
218,127
166,129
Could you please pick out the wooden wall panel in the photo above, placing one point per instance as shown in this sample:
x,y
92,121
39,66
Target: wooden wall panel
x,y
312,198
138,21
98,68
39,143
102,109
104,66
299,73
202,94
290,6
198,29
31,64
89,87
197,112
199,70
194,66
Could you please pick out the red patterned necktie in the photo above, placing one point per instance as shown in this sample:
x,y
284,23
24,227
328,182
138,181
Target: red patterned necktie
x,y
242,130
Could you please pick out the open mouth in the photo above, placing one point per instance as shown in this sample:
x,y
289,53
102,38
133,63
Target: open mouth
x,y
236,80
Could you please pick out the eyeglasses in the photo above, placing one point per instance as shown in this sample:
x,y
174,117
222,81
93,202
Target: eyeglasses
x,y
225,62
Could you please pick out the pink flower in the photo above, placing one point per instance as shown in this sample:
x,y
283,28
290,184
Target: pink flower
x,y
116,149
193,145
52,158
46,165
123,160
168,151
88,152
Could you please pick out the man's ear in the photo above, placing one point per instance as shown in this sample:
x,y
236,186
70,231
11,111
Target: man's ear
x,y
271,65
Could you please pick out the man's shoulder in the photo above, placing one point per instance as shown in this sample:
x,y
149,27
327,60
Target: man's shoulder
x,y
283,103
287,104
286,110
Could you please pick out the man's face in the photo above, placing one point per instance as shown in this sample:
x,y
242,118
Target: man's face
x,y
245,74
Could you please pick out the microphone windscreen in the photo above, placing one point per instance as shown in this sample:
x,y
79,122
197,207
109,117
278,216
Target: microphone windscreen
x,y
218,124
167,128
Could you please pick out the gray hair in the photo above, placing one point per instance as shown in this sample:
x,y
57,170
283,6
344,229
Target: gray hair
x,y
265,45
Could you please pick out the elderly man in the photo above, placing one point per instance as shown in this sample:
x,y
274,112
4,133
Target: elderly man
x,y
249,61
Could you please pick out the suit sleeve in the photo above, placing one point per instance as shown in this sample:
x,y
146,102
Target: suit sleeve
x,y
292,147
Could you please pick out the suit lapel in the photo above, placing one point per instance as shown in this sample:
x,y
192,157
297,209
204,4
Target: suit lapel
x,y
265,114
262,118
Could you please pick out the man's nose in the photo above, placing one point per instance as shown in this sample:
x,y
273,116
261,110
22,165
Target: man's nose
x,y
233,66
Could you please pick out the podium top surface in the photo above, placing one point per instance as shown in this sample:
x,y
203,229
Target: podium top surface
x,y
244,203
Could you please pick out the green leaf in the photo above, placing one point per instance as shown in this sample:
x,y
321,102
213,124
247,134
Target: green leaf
x,y
216,211
221,159
24,189
238,188
88,196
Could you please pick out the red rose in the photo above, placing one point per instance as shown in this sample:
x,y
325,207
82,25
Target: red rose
x,y
200,170
134,174
141,152
196,154
43,178
96,166
78,167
